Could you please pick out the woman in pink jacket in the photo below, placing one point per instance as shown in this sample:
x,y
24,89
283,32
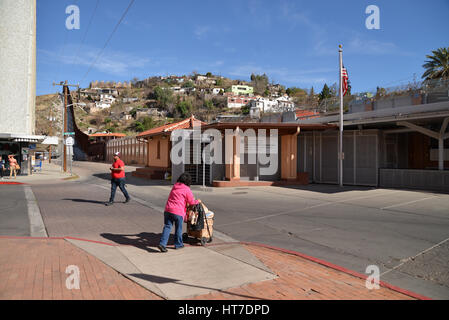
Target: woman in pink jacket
x,y
175,211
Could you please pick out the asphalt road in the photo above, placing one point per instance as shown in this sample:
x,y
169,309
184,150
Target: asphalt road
x,y
405,233
14,219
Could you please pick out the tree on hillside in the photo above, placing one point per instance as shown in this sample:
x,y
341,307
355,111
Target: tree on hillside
x,y
437,65
144,124
334,90
184,109
245,109
259,82
219,82
325,93
209,104
349,89
134,81
164,97
312,99
296,92
188,84
311,92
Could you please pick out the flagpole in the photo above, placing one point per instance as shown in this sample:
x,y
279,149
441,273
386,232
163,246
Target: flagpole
x,y
340,153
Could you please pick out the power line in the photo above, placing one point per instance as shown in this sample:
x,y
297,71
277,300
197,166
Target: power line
x,y
85,34
109,39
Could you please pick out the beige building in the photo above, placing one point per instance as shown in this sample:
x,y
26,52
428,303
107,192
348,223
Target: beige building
x,y
18,84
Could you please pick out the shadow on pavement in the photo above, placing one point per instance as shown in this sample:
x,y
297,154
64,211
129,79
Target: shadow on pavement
x,y
329,188
86,201
162,280
134,180
152,278
145,240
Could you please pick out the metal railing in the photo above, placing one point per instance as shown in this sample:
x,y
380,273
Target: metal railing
x,y
398,96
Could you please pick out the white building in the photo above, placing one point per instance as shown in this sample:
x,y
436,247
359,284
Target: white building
x,y
18,85
236,102
106,100
280,104
216,91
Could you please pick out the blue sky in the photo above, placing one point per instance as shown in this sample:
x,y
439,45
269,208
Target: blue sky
x,y
294,42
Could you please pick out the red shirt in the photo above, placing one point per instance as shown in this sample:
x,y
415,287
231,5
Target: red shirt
x,y
118,174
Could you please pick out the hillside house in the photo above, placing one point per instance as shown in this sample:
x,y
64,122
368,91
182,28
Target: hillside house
x,y
242,90
236,102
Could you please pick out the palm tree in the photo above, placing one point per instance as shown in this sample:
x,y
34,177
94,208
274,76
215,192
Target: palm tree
x,y
438,65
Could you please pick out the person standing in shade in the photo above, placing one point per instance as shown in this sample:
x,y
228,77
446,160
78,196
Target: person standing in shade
x,y
117,179
2,167
13,166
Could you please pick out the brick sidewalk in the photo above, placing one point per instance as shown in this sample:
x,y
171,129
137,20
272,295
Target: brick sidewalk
x,y
302,279
35,269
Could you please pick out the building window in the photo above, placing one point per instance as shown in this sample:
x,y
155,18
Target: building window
x,y
158,154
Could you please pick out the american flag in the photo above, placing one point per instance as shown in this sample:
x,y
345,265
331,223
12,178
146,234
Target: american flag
x,y
344,79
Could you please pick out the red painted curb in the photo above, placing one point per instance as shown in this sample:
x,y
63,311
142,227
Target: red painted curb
x,y
329,265
93,241
58,238
13,183
31,238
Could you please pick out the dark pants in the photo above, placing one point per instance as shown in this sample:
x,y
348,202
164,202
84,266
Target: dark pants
x,y
121,184
169,220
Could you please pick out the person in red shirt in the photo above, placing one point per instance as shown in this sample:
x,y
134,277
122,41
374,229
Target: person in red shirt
x,y
117,179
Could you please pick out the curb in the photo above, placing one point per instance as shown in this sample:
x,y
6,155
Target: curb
x,y
330,265
58,238
12,183
37,226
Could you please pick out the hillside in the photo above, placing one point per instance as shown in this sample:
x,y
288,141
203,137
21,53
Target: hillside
x,y
142,104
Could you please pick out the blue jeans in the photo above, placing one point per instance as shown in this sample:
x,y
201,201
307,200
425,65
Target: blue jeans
x,y
121,184
169,219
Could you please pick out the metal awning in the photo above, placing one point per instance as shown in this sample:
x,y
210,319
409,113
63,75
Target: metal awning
x,y
22,137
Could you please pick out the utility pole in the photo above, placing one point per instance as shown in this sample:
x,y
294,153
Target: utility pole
x,y
65,87
65,125
51,132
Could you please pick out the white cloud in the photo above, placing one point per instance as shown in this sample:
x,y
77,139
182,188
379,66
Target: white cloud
x,y
110,62
200,31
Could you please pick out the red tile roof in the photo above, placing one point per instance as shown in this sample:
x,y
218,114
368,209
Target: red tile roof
x,y
306,114
184,124
107,135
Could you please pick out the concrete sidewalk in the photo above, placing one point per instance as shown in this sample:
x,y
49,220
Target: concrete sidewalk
x,y
51,172
36,269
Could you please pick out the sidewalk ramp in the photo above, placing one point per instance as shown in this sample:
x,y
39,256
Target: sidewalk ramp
x,y
186,273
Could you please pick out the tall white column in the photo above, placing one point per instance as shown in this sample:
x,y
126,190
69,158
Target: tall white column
x,y
340,145
17,66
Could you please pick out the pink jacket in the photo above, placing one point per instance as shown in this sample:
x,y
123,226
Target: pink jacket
x,y
179,197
